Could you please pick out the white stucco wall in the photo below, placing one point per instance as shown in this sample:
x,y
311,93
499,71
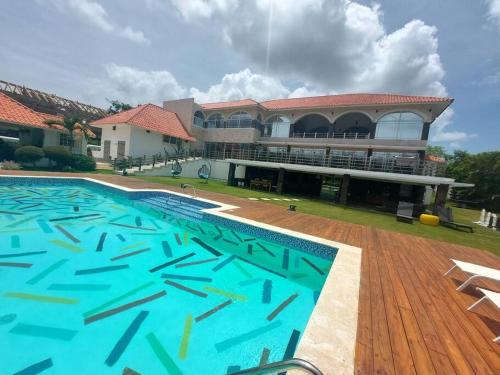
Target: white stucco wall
x,y
220,170
121,133
144,143
138,142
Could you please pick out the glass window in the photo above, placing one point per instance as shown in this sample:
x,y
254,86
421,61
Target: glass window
x,y
277,126
215,120
198,119
64,140
240,120
400,125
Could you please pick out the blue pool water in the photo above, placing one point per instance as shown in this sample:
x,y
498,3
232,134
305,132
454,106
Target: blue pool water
x,y
94,280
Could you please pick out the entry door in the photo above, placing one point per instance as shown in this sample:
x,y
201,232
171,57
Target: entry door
x,y
107,149
120,153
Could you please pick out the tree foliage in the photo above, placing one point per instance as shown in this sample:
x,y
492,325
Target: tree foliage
x,y
73,125
118,106
437,151
58,154
482,170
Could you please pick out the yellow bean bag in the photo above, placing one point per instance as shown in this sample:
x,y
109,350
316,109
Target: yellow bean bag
x,y
429,219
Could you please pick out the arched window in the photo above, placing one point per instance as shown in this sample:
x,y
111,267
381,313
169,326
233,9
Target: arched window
x,y
400,125
240,120
198,119
312,125
215,120
276,126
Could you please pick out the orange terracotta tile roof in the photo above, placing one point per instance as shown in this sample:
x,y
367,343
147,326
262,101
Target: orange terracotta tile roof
x,y
14,112
331,101
350,100
149,117
231,104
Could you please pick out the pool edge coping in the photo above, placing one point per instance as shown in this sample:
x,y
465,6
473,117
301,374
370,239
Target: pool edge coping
x,y
331,350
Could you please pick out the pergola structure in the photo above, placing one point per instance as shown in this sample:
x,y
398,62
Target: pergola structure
x,y
49,103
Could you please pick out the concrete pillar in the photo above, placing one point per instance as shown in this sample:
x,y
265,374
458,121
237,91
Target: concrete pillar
x,y
281,179
344,188
230,177
372,133
327,156
425,131
441,195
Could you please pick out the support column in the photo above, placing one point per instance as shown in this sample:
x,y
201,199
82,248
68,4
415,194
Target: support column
x,y
425,131
281,179
346,179
372,133
230,176
441,195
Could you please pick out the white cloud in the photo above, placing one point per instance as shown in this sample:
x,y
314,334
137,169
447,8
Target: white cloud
x,y
191,9
493,11
134,86
336,45
491,80
95,14
241,85
305,91
439,131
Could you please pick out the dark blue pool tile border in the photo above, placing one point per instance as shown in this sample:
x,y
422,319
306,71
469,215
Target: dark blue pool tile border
x,y
317,249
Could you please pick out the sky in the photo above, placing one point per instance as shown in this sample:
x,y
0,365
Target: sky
x,y
214,50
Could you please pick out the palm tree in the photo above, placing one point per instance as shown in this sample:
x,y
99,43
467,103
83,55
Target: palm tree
x,y
73,125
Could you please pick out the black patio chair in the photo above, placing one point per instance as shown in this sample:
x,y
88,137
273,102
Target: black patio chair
x,y
446,219
405,212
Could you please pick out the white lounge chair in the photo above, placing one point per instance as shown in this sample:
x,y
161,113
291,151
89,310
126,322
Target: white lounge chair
x,y
493,297
477,272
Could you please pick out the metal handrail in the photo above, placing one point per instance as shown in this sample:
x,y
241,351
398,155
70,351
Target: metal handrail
x,y
402,165
185,186
289,364
337,135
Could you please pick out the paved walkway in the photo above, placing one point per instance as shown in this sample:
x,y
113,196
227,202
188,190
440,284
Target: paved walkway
x,y
411,319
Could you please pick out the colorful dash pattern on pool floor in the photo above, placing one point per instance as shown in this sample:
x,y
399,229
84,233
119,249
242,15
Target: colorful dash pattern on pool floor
x,y
94,283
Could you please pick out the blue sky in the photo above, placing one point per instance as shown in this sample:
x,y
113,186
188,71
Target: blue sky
x,y
150,50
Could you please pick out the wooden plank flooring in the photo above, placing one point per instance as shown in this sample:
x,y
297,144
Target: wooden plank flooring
x,y
411,319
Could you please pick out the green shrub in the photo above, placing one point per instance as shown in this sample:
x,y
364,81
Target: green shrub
x,y
29,154
6,150
58,154
83,163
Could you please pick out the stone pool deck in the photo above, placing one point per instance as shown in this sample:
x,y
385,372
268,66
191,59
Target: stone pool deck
x,y
411,319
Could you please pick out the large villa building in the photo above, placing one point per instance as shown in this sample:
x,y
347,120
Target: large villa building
x,y
354,148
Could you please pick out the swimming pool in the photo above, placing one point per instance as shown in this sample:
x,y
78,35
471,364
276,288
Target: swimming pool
x,y
95,279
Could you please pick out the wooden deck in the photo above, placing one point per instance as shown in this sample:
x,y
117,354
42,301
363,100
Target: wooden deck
x,y
411,318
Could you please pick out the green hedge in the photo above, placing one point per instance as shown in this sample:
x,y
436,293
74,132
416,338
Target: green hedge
x,y
83,163
58,154
29,154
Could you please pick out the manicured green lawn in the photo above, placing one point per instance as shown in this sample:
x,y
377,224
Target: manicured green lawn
x,y
482,238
